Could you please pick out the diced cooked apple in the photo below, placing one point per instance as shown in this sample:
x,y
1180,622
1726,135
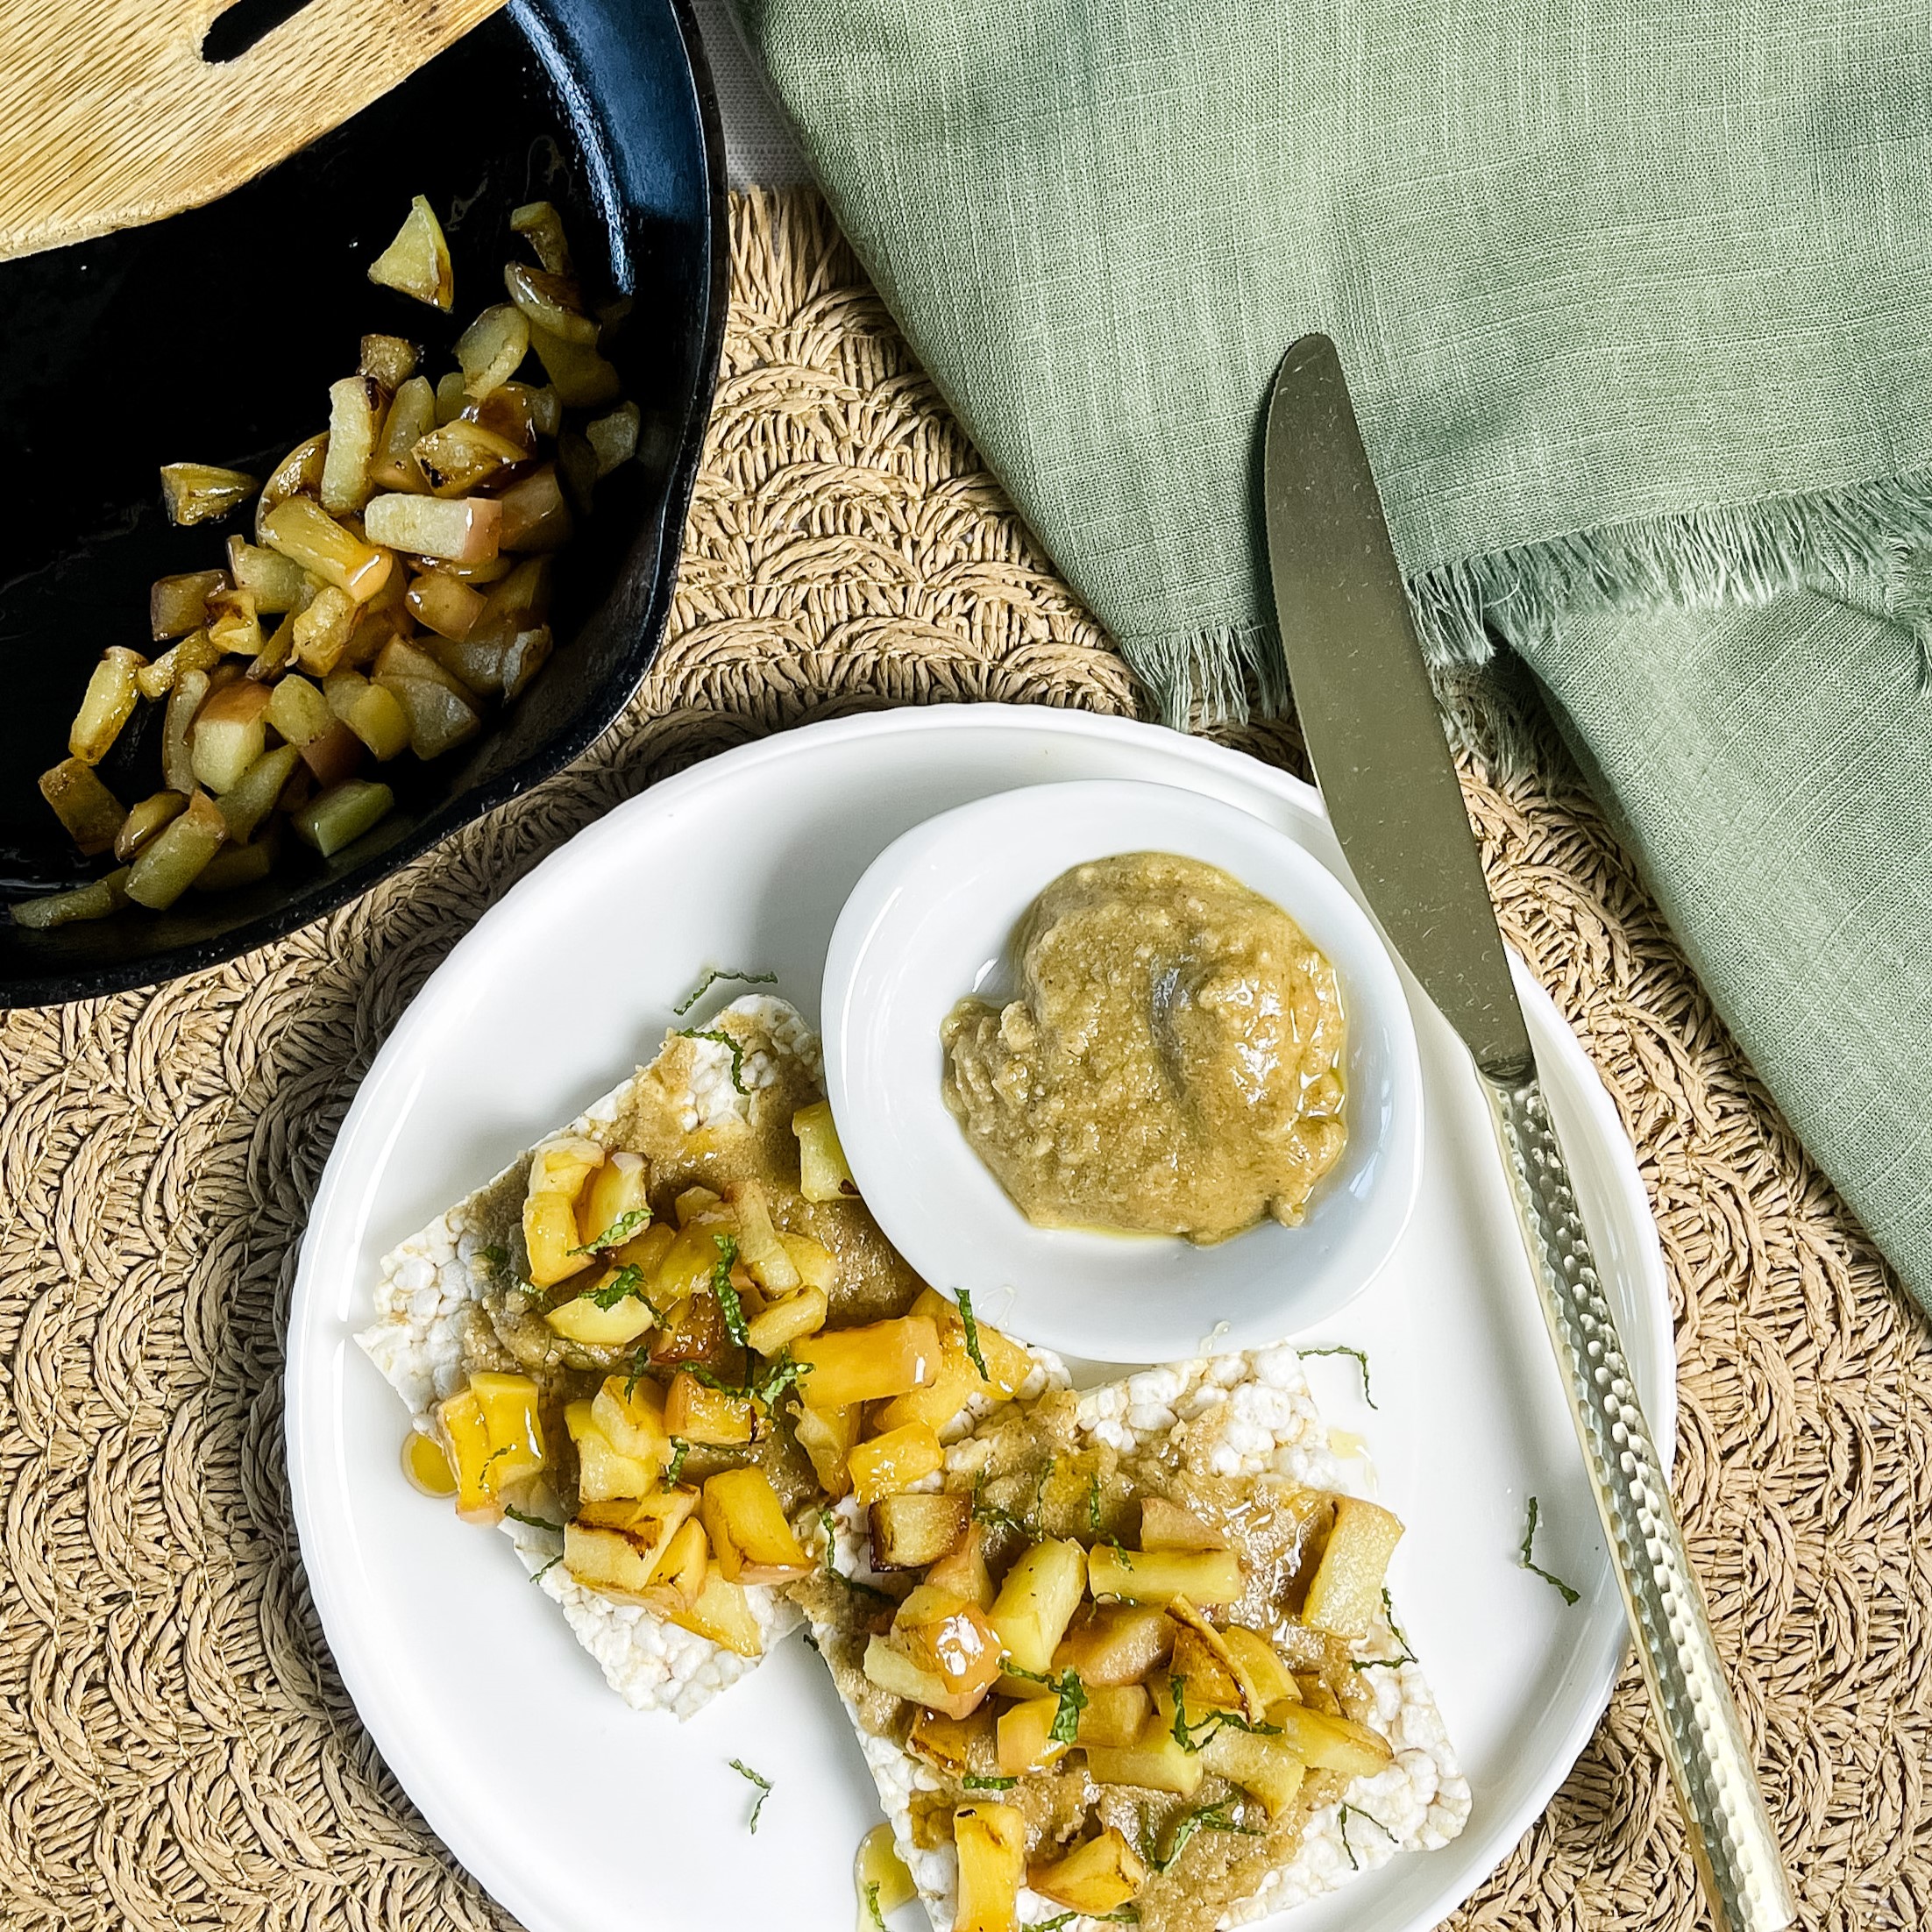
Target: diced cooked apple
x,y
355,416
1008,1365
536,517
1115,1715
301,529
823,1173
558,1169
935,1405
492,349
526,654
252,798
627,1545
817,1265
231,732
788,1321
746,1522
177,857
1215,1673
950,1742
951,1641
619,1190
494,1436
1264,1767
1024,1736
91,814
298,473
581,377
340,815
631,1413
1116,1642
298,709
418,262
277,583
1344,1595
868,1364
1331,1743
178,605
234,624
444,605
195,492
1156,1576
320,635
889,1667
550,300
963,1571
184,702
99,898
462,528
193,652
1156,1762
1095,1879
369,711
719,1610
990,1841
612,438
759,1247
685,1564
106,705
144,822
582,1320
540,224
390,360
1265,1669
603,1471
890,1463
695,1413
826,1436
910,1531
1166,1525
411,417
235,866
1037,1599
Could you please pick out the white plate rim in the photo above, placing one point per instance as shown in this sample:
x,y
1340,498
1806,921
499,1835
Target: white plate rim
x,y
307,1396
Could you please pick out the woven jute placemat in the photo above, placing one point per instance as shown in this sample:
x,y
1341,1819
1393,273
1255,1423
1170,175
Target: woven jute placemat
x,y
175,1749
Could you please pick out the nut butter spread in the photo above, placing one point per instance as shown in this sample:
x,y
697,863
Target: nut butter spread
x,y
1172,1063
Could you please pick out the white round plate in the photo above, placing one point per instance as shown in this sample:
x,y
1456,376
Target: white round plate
x,y
932,920
577,1812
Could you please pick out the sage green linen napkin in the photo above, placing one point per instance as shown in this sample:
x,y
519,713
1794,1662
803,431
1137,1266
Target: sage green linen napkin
x,y
1633,299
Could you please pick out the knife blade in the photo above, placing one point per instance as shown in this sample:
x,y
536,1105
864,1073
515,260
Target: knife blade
x,y
1376,738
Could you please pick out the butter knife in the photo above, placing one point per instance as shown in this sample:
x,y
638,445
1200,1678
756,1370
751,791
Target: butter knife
x,y
1376,738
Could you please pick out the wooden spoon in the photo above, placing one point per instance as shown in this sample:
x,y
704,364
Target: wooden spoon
x,y
110,114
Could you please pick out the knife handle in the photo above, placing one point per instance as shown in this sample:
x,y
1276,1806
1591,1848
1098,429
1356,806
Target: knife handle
x,y
1730,1835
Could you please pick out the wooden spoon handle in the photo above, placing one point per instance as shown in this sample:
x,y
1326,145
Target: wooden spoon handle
x,y
110,117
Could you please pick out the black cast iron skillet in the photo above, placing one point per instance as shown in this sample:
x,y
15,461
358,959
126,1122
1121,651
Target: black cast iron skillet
x,y
212,337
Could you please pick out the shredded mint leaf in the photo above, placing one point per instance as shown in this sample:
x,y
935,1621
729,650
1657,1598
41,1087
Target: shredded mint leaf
x,y
781,1375
1223,1816
533,1523
492,1457
1361,1361
728,1040
1070,1691
872,1905
624,1282
1401,1636
618,1232
497,1257
1195,1736
680,1450
973,1781
1126,1915
1536,1569
971,1327
1342,1818
712,977
765,1790
729,1304
538,1576
1093,1513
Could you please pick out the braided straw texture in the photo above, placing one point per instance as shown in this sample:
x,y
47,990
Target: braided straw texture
x,y
175,1749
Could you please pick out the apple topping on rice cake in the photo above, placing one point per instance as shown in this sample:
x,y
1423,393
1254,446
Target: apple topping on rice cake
x,y
601,1349
1129,1656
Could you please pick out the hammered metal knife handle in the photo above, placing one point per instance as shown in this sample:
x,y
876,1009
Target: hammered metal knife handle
x,y
1716,1782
